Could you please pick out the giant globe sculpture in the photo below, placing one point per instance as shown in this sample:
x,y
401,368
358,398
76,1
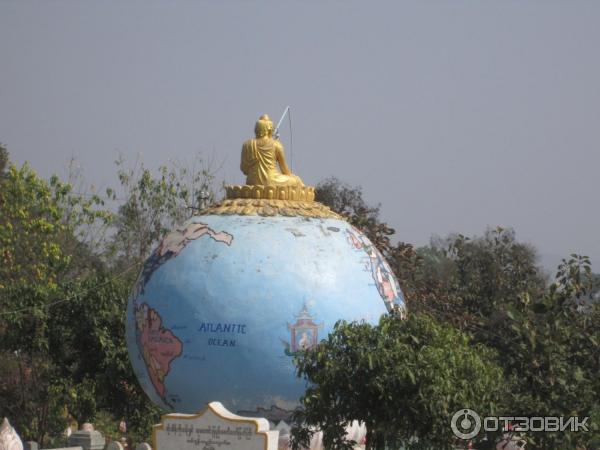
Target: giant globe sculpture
x,y
226,300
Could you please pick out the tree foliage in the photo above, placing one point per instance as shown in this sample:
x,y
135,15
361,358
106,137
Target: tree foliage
x,y
153,205
38,222
402,378
63,299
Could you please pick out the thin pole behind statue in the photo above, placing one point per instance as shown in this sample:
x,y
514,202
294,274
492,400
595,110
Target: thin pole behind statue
x,y
276,133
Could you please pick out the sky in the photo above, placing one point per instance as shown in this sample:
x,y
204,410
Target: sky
x,y
454,115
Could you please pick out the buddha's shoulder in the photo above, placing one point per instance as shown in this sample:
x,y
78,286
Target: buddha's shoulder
x,y
248,143
265,144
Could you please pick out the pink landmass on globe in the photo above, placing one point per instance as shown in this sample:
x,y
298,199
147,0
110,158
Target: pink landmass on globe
x,y
158,345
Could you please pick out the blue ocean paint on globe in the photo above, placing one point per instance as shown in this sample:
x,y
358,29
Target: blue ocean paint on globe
x,y
224,303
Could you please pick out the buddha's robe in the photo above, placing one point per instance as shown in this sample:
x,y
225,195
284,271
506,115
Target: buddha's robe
x,y
260,158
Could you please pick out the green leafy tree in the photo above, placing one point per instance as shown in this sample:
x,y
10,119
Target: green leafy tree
x,y
402,378
30,230
153,205
62,310
3,159
474,282
32,396
544,335
88,337
37,220
549,345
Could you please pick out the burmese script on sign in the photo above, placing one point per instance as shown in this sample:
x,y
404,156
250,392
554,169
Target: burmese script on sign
x,y
211,435
185,435
213,429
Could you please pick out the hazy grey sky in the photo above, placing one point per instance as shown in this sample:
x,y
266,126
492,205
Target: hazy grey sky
x,y
455,115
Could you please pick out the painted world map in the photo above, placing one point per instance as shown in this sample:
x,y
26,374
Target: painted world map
x,y
224,304
158,345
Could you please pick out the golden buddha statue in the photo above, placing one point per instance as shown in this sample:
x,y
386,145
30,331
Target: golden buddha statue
x,y
260,157
271,189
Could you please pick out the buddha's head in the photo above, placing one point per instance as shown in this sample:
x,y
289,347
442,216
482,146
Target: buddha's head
x,y
263,127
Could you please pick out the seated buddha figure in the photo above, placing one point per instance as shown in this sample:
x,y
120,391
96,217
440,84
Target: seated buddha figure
x,y
262,155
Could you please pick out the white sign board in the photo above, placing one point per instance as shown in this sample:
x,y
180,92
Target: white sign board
x,y
215,428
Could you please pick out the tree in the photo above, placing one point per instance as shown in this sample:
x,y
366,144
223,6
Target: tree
x,y
3,159
32,261
63,298
30,229
39,246
471,282
549,345
29,396
544,334
37,219
153,205
402,378
88,338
